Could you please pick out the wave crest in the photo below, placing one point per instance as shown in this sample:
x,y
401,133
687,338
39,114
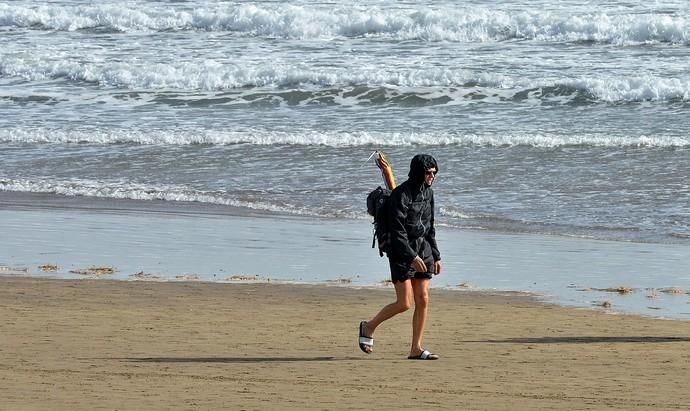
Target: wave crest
x,y
127,190
347,86
329,138
325,22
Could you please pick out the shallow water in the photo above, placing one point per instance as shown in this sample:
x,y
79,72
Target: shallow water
x,y
169,243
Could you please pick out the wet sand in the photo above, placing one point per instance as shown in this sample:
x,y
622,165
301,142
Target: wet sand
x,y
102,344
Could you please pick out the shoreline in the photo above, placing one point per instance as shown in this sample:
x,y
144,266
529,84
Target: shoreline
x,y
85,344
29,200
171,242
604,306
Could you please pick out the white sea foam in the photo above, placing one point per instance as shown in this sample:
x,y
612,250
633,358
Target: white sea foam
x,y
454,213
173,193
134,191
211,75
347,85
644,88
441,23
328,138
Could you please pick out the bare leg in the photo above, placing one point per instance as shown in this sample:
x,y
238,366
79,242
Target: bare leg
x,y
421,310
403,302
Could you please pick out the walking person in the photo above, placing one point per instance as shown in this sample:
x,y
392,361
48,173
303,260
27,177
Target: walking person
x,y
414,257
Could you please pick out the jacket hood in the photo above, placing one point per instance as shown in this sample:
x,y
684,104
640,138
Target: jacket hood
x,y
418,166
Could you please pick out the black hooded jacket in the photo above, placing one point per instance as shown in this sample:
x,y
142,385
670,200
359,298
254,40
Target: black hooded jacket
x,y
411,218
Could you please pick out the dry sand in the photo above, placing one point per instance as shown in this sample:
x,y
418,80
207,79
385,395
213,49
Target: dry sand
x,y
101,344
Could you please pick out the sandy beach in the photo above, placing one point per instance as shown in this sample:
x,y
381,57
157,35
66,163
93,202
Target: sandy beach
x,y
183,204
102,344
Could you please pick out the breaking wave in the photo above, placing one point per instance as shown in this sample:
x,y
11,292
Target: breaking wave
x,y
289,84
442,23
134,191
329,138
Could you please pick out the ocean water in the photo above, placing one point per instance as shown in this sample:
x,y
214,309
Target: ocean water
x,y
547,117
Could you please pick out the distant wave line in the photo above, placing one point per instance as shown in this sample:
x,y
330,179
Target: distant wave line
x,y
332,138
314,22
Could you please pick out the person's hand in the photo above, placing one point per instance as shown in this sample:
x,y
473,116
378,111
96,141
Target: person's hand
x,y
437,267
419,265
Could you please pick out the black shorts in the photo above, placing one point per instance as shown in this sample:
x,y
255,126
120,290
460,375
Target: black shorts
x,y
403,272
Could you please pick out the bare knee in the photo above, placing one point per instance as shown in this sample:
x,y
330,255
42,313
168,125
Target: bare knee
x,y
421,300
403,304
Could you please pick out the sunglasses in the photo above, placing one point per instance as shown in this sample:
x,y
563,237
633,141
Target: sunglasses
x,y
430,172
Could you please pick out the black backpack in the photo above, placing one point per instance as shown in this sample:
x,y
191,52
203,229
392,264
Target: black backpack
x,y
377,206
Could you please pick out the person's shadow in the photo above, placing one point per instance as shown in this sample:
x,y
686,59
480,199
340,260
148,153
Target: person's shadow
x,y
237,360
587,340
